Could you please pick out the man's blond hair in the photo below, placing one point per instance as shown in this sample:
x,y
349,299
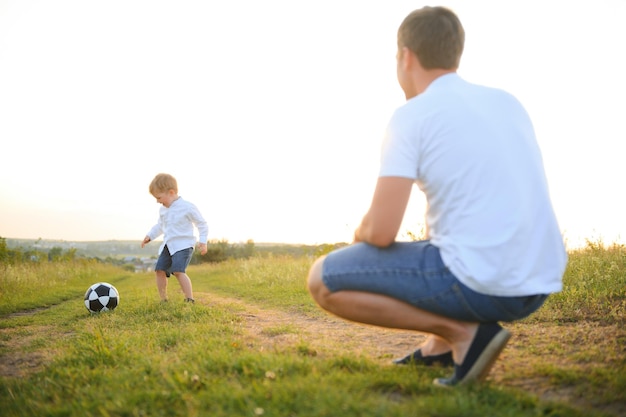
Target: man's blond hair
x,y
163,183
435,35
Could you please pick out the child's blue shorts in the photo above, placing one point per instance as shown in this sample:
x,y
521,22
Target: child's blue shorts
x,y
173,263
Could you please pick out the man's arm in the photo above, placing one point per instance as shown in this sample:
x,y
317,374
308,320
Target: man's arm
x,y
381,223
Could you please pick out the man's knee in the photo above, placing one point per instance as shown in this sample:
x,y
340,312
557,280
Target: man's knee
x,y
316,286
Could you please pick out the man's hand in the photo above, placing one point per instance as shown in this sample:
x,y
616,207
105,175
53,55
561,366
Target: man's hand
x,y
145,241
202,247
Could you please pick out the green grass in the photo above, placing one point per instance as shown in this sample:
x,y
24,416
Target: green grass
x,y
175,359
33,285
595,287
276,282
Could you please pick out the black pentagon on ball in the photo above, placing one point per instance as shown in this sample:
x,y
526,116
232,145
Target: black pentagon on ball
x,y
102,290
112,303
95,305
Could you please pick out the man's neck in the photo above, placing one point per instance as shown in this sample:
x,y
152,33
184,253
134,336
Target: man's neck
x,y
425,78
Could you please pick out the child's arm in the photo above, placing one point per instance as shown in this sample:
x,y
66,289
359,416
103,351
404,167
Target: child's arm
x,y
203,228
152,234
203,248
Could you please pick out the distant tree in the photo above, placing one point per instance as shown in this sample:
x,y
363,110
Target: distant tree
x,y
248,249
55,254
217,251
69,255
4,251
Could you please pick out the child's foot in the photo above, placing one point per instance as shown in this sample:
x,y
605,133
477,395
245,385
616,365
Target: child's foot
x,y
190,300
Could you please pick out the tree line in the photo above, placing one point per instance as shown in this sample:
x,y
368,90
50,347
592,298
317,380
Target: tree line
x,y
217,251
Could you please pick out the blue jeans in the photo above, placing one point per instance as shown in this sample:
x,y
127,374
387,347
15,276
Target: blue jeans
x,y
177,262
413,272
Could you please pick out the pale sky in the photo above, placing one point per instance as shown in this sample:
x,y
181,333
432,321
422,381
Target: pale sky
x,y
271,114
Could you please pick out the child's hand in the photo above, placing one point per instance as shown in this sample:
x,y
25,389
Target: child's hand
x,y
202,247
145,241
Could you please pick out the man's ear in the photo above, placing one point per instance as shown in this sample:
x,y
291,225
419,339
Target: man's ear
x,y
408,59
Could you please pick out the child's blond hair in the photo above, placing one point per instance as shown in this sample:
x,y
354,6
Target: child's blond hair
x,y
163,183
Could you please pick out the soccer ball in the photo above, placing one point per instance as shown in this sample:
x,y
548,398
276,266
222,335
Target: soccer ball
x,y
101,296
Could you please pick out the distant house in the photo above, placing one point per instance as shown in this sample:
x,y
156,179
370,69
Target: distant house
x,y
144,265
140,264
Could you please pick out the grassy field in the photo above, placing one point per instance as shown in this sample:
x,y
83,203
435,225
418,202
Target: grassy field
x,y
255,344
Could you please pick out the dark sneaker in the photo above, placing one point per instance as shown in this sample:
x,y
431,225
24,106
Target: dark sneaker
x,y
190,300
416,358
488,343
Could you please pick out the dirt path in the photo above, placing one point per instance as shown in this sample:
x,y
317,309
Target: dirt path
x,y
273,330
578,347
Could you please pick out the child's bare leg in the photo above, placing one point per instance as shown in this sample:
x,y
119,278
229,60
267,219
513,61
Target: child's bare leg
x,y
185,284
161,283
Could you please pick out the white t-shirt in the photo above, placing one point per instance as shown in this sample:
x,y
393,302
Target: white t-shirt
x,y
472,151
176,223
